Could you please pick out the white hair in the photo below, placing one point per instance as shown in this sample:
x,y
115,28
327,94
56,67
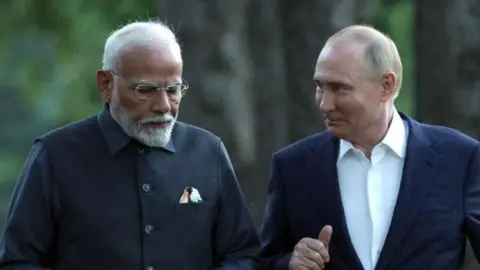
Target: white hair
x,y
149,33
381,53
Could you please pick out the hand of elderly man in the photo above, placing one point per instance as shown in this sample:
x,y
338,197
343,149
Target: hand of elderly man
x,y
312,254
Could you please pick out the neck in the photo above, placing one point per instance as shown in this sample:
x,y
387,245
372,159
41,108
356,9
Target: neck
x,y
374,134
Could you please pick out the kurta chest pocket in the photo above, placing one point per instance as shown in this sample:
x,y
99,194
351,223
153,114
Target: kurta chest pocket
x,y
192,207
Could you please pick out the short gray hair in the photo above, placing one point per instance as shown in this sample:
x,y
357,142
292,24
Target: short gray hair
x,y
134,34
381,53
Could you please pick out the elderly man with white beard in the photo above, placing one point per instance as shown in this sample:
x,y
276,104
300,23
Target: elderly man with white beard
x,y
131,187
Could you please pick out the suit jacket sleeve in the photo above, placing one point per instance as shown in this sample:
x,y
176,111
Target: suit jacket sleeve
x,y
276,237
29,230
236,240
472,202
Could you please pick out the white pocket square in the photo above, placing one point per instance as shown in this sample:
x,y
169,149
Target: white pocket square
x,y
190,195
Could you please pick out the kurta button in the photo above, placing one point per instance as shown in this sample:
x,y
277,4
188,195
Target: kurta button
x,y
146,187
149,229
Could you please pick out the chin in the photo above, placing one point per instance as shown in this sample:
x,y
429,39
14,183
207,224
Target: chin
x,y
155,137
153,140
336,131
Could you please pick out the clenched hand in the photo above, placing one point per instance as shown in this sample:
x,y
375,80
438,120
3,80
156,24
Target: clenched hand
x,y
312,254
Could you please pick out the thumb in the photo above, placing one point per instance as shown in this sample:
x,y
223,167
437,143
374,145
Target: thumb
x,y
325,235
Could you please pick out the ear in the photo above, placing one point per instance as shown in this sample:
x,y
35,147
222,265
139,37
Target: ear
x,y
105,84
389,83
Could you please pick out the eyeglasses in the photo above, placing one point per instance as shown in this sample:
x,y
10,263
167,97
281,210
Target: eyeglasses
x,y
146,91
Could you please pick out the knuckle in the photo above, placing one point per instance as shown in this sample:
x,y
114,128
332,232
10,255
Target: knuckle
x,y
299,248
304,240
296,257
316,256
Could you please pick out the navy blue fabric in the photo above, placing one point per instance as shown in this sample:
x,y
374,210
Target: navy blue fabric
x,y
90,197
437,208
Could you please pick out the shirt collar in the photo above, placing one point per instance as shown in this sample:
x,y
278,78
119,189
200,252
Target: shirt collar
x,y
395,139
114,135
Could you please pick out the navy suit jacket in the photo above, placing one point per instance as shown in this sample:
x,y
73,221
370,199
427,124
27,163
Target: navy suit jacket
x,y
438,205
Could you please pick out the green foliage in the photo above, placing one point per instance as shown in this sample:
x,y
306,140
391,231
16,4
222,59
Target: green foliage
x,y
57,74
50,50
395,17
10,165
400,24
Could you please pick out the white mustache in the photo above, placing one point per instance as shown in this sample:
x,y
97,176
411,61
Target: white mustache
x,y
157,119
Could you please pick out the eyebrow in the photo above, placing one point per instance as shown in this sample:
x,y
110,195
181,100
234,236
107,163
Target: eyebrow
x,y
143,81
335,80
178,81
149,82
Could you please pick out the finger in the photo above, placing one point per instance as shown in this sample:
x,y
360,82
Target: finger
x,y
310,264
315,259
317,246
298,261
325,235
313,250
320,248
325,255
300,267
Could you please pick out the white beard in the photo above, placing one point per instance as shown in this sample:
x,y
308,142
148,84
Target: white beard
x,y
153,137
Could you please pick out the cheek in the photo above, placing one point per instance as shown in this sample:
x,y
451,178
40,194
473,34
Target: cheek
x,y
174,105
351,107
134,107
361,114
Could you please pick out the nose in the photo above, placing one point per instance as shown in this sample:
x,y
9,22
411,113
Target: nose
x,y
161,103
327,102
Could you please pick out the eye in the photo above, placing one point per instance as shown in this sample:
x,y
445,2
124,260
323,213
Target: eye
x,y
340,88
319,87
173,89
336,87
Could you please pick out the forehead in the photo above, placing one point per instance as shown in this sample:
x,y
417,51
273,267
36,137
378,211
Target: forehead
x,y
340,62
156,64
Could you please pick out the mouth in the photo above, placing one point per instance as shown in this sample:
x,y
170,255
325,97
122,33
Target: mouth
x,y
157,124
332,122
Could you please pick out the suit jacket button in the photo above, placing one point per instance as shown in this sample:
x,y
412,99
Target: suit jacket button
x,y
149,229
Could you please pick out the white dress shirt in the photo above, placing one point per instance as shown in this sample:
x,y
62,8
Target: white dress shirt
x,y
369,189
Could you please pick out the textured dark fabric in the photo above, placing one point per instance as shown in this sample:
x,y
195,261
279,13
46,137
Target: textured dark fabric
x,y
438,205
90,198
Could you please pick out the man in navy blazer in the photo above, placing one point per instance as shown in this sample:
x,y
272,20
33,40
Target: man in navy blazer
x,y
376,190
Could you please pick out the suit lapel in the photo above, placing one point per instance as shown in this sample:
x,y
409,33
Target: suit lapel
x,y
418,173
325,196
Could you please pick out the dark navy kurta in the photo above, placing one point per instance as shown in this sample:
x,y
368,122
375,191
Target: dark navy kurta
x,y
90,197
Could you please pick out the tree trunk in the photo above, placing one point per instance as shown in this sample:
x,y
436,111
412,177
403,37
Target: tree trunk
x,y
448,63
250,67
448,67
233,54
